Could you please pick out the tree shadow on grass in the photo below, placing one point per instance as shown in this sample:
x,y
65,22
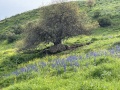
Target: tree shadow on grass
x,y
12,62
29,55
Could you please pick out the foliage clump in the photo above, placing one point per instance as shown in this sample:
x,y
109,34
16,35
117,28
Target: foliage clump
x,y
13,33
11,37
17,29
90,3
104,21
97,14
2,37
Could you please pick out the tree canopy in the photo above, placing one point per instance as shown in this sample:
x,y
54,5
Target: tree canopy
x,y
59,21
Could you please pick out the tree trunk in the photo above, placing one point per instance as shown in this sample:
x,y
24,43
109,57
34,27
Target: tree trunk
x,y
57,41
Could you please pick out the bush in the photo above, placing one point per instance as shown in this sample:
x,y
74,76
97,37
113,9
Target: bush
x,y
11,37
17,29
104,21
97,14
2,37
90,3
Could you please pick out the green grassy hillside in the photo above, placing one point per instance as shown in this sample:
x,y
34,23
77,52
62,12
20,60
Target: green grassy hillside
x,y
91,67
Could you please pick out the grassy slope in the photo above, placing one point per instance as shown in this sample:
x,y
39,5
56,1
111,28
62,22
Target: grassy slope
x,y
94,73
18,19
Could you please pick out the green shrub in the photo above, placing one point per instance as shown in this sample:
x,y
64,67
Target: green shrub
x,y
17,29
11,37
97,14
104,21
2,37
